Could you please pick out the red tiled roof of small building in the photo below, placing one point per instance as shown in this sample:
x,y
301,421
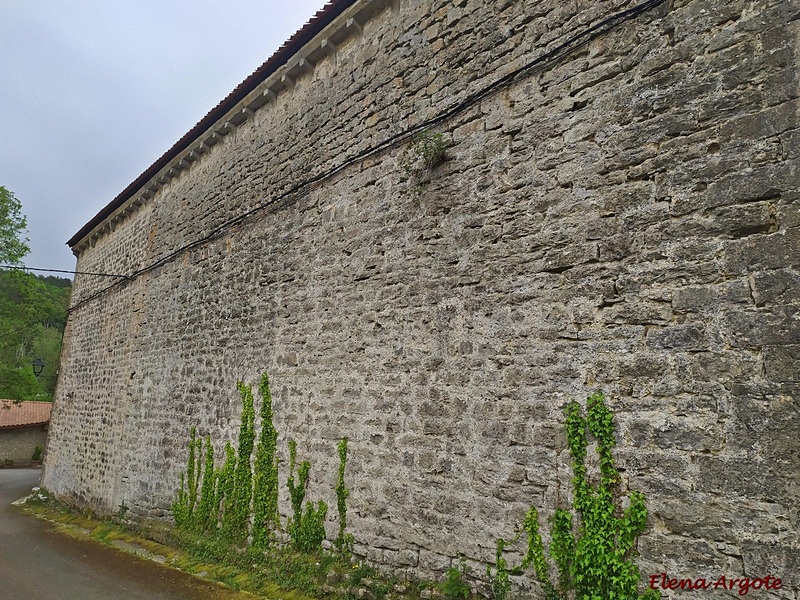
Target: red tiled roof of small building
x,y
22,414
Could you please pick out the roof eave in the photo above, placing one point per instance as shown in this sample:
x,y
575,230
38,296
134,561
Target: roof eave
x,y
282,56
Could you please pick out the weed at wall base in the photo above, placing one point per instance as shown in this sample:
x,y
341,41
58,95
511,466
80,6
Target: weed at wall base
x,y
455,586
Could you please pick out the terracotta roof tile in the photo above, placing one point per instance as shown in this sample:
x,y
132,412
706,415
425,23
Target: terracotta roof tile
x,y
20,414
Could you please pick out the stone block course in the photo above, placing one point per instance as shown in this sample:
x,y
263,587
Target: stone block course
x,y
622,218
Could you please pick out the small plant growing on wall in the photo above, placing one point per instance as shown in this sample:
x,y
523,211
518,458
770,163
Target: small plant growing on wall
x,y
425,152
455,586
595,557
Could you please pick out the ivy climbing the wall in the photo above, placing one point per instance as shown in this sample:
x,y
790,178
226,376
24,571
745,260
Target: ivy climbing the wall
x,y
222,503
205,519
183,507
265,474
236,519
594,558
193,475
306,527
344,541
225,479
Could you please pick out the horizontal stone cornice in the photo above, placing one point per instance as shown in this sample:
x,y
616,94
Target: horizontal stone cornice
x,y
347,24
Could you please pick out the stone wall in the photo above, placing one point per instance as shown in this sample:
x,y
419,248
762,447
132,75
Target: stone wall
x,y
622,216
18,444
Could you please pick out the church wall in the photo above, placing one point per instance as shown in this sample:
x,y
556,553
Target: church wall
x,y
623,218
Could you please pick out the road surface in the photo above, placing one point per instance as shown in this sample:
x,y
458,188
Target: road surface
x,y
39,563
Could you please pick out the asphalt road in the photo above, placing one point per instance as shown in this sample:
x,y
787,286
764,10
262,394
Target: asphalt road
x,y
39,563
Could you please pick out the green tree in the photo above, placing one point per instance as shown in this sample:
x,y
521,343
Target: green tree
x,y
13,242
18,383
33,312
32,318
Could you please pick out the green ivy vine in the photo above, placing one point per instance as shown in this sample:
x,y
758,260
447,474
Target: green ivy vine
x,y
344,541
183,507
237,506
265,475
206,515
594,561
307,527
225,480
223,502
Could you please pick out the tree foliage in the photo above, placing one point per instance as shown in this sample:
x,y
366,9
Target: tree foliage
x,y
13,242
33,313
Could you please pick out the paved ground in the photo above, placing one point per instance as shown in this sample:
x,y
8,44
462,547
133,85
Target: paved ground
x,y
38,563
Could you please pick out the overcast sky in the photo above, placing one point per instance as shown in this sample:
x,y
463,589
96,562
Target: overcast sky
x,y
92,92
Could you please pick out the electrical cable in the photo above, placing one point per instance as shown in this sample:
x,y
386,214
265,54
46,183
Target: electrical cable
x,y
23,268
21,328
536,65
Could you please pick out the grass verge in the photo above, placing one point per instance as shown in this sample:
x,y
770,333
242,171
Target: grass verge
x,y
275,574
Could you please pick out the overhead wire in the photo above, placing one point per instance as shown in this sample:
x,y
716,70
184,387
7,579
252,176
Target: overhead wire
x,y
22,328
24,268
536,65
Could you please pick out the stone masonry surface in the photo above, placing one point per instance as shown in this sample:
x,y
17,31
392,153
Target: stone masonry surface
x,y
18,444
622,218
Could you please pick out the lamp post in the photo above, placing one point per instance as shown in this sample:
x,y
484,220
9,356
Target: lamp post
x,y
38,366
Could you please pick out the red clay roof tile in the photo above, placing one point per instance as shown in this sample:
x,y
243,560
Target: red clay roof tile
x,y
21,414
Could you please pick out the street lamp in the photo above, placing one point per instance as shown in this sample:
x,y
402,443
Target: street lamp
x,y
38,366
